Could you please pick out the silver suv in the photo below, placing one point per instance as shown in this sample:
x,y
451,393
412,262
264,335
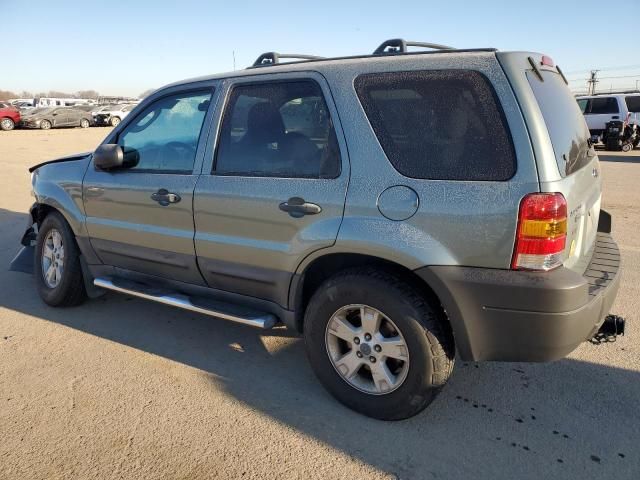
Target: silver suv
x,y
398,209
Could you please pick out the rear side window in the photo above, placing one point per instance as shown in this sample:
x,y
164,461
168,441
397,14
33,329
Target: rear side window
x,y
439,124
633,104
603,105
278,129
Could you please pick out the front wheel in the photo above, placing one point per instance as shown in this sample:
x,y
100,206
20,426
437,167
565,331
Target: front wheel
x,y
115,121
84,123
377,344
7,124
45,124
57,264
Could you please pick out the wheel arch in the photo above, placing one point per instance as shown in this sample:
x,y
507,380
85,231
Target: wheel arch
x,y
305,283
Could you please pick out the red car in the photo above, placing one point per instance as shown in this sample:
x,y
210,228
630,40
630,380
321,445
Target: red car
x,y
9,116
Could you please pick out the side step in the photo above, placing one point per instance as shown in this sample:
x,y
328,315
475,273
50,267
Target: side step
x,y
224,311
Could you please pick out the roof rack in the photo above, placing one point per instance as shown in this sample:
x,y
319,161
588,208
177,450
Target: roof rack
x,y
399,45
273,58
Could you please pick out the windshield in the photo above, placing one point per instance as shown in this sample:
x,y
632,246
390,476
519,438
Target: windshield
x,y
566,125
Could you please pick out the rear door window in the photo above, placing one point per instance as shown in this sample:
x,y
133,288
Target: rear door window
x,y
439,124
603,105
278,129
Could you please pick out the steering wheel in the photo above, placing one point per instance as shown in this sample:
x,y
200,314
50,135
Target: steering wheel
x,y
177,154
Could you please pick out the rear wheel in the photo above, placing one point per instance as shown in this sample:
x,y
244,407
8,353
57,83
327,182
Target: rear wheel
x,y
377,344
7,124
115,121
84,123
45,124
57,264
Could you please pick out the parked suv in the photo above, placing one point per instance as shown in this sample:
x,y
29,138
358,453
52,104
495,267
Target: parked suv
x,y
112,116
398,210
599,110
9,116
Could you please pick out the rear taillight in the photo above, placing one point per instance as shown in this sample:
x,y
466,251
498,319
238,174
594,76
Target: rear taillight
x,y
542,232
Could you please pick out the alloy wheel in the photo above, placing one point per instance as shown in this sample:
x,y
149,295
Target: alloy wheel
x,y
53,258
367,349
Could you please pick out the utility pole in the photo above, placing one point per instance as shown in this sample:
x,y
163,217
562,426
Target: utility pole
x,y
592,82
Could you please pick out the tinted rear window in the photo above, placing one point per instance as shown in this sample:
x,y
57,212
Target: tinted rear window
x,y
603,105
566,125
439,124
633,104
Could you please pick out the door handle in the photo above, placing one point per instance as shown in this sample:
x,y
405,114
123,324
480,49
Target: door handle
x,y
615,117
165,197
297,207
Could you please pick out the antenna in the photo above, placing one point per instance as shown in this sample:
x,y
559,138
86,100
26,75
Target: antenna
x,y
233,52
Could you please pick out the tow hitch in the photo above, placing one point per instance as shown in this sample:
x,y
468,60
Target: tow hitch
x,y
612,326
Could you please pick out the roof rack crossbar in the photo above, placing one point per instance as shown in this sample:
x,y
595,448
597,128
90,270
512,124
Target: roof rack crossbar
x,y
273,58
399,45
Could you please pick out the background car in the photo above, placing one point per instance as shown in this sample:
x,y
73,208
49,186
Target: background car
x,y
114,115
58,117
9,116
601,109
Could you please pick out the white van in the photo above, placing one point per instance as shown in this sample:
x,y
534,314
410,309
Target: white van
x,y
60,102
600,109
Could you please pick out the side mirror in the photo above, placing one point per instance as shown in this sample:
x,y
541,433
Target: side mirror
x,y
108,157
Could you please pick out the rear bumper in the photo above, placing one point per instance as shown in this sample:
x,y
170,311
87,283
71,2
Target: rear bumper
x,y
506,315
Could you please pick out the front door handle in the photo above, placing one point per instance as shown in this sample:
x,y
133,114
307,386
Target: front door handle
x,y
297,207
615,117
164,197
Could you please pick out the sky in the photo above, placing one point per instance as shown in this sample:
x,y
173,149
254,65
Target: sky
x,y
122,47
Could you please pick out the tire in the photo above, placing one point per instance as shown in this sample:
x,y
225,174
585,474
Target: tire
x,y
45,125
420,325
6,124
114,121
66,289
84,123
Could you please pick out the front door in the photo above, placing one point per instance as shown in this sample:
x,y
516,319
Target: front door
x,y
275,190
60,117
141,218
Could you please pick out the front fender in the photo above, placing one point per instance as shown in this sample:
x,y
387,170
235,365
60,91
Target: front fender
x,y
59,186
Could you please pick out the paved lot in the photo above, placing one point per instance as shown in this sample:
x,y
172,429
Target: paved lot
x,y
122,388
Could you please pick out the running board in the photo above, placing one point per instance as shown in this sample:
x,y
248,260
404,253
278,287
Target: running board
x,y
214,308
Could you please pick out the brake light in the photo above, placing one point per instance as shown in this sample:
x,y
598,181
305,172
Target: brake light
x,y
547,61
542,232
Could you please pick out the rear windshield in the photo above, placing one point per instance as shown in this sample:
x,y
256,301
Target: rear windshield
x,y
566,125
633,104
439,124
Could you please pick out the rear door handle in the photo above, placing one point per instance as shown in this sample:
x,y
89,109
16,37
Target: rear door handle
x,y
615,117
164,197
297,207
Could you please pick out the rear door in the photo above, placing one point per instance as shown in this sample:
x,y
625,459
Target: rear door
x,y
600,111
577,163
274,190
141,218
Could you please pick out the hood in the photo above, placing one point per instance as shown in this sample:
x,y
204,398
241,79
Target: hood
x,y
69,158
